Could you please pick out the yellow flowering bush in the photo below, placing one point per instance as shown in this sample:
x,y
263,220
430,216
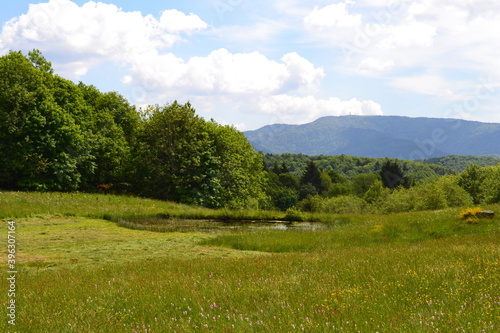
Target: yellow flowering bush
x,y
471,215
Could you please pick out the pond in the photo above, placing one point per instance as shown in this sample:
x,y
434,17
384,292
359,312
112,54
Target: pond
x,y
212,226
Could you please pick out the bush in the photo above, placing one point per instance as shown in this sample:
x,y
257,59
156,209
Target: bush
x,y
293,214
429,197
311,203
344,205
400,200
455,195
471,212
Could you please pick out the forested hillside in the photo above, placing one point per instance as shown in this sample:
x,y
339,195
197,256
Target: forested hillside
x,y
380,136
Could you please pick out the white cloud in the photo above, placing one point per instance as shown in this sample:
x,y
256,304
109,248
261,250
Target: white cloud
x,y
450,39
95,31
264,30
426,84
372,66
98,32
413,34
302,73
293,109
222,72
176,21
334,15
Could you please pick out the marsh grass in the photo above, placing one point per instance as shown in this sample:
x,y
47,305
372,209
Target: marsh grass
x,y
412,272
355,231
113,208
445,284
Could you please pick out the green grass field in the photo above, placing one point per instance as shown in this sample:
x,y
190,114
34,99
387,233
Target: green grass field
x,y
77,271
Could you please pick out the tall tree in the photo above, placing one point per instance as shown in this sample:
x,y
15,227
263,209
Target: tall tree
x,y
187,159
42,148
471,180
393,176
241,171
491,185
175,152
362,183
312,175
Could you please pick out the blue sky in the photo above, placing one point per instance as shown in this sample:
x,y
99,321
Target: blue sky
x,y
253,63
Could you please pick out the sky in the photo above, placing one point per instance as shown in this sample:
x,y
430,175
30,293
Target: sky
x,y
254,63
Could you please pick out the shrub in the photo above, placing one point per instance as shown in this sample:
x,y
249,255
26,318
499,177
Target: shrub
x,y
471,215
398,201
344,205
456,196
293,214
311,203
430,197
471,212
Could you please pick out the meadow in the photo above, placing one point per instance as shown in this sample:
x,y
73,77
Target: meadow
x,y
102,263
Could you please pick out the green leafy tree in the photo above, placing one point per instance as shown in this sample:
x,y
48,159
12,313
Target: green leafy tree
x,y
289,180
455,195
313,176
112,125
184,158
286,198
429,197
39,62
362,183
490,187
42,147
177,158
376,193
307,190
471,180
241,173
350,204
340,185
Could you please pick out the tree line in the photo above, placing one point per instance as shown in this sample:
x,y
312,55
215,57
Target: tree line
x,y
391,189
56,135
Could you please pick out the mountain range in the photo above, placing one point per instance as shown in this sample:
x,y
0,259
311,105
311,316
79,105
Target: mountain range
x,y
380,136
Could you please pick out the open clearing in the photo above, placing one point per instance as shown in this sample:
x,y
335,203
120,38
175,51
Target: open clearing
x,y
413,272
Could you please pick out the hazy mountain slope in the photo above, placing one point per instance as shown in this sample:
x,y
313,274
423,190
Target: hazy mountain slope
x,y
380,136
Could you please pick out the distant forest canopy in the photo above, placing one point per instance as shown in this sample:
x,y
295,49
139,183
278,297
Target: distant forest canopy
x,y
351,166
56,135
460,163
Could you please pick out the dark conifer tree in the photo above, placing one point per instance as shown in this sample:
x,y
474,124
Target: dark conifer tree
x,y
312,176
393,176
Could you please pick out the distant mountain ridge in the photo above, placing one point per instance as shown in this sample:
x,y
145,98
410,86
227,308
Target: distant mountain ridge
x,y
380,136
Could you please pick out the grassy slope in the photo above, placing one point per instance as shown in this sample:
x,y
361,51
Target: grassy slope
x,y
414,272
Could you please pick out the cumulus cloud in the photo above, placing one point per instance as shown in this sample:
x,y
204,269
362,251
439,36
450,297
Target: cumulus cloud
x,y
82,37
293,109
176,21
420,36
371,65
334,15
222,72
95,31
